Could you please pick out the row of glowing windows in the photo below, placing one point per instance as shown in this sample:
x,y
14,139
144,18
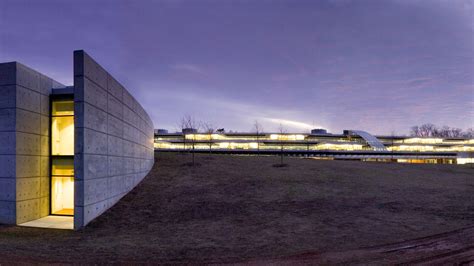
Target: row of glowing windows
x,y
224,137
322,146
296,137
255,145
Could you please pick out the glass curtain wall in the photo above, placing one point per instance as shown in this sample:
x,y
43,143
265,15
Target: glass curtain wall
x,y
62,157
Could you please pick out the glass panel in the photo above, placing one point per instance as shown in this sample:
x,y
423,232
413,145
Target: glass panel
x,y
62,186
63,108
63,167
62,198
62,135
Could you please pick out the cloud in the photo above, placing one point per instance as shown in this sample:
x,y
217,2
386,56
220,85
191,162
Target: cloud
x,y
291,123
189,68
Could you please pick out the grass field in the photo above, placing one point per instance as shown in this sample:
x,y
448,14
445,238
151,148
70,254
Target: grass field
x,y
234,208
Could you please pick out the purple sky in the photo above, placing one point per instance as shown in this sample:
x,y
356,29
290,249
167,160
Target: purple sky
x,y
380,66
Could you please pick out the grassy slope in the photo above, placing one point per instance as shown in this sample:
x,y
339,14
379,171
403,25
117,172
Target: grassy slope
x,y
231,208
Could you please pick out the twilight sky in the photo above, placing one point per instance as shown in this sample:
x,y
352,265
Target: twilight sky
x,y
380,66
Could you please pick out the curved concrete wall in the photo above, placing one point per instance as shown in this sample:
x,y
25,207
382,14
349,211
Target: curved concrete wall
x,y
113,140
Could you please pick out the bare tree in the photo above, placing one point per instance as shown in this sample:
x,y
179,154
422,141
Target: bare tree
x,y
189,126
258,129
415,131
456,132
427,130
209,130
430,130
281,131
469,133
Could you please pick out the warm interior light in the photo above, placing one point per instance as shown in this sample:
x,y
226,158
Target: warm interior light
x,y
62,128
62,187
62,200
62,164
62,135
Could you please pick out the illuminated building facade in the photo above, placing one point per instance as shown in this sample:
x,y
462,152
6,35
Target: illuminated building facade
x,y
69,151
351,145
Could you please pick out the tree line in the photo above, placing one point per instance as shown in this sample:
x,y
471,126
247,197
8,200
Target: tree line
x,y
431,130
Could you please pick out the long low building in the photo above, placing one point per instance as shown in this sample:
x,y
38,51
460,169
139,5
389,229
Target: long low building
x,y
350,145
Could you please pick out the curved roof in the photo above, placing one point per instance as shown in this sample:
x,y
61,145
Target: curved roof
x,y
370,139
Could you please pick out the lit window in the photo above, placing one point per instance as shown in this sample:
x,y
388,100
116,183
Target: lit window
x,y
62,186
62,128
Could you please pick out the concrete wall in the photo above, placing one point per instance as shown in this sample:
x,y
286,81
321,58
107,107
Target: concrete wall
x,y
24,143
113,140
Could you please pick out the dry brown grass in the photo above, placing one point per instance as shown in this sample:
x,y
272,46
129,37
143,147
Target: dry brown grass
x,y
233,208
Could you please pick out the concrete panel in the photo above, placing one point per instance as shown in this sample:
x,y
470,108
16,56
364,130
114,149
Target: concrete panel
x,y
27,166
7,119
27,121
44,166
7,143
114,88
85,66
92,117
90,166
116,165
44,206
44,128
27,99
7,212
90,92
44,105
115,146
130,117
44,148
128,99
8,166
115,107
28,188
47,84
115,126
27,144
44,186
7,73
7,96
7,189
95,190
27,210
90,141
117,185
93,210
27,77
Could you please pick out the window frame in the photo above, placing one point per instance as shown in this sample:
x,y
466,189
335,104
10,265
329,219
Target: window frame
x,y
54,98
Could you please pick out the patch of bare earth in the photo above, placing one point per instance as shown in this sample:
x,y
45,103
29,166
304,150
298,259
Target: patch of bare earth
x,y
231,209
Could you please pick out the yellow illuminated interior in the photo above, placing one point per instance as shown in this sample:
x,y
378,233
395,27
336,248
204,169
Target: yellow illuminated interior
x,y
62,164
62,135
62,128
286,137
465,160
62,186
423,140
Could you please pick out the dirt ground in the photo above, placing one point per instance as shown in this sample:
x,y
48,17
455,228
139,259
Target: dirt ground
x,y
240,208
